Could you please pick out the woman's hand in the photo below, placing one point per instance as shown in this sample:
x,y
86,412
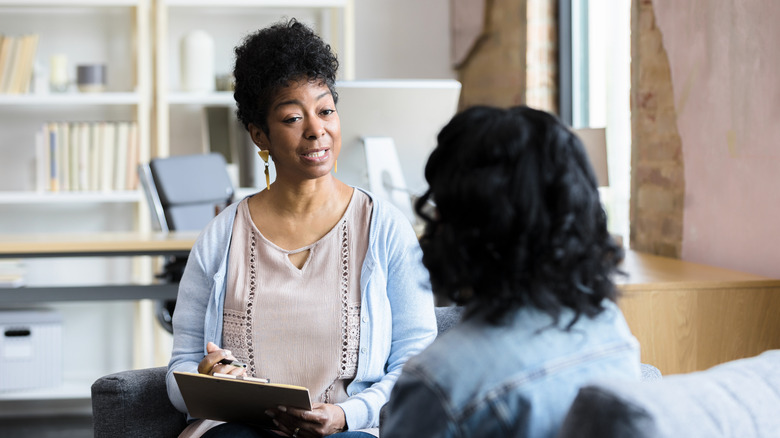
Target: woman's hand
x,y
323,420
210,363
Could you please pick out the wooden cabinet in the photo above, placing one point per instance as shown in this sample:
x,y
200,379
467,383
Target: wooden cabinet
x,y
690,317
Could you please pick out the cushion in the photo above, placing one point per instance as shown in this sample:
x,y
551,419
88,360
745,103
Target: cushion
x,y
740,398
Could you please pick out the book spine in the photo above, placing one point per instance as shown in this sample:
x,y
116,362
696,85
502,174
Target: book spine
x,y
83,167
73,160
107,156
120,160
53,154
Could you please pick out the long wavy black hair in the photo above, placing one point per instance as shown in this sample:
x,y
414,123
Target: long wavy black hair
x,y
517,219
270,59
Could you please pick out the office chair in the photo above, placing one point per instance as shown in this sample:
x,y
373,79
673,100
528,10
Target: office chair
x,y
183,193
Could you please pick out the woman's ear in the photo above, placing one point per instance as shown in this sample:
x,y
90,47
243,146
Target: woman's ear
x,y
258,137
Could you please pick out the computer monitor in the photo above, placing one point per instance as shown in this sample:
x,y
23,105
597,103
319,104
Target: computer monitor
x,y
410,113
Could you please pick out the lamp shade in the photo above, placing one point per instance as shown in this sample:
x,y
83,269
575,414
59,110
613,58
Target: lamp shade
x,y
595,141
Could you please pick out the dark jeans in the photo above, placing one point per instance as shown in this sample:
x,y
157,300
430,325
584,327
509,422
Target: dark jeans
x,y
242,430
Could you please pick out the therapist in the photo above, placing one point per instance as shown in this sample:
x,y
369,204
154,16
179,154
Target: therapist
x,y
310,282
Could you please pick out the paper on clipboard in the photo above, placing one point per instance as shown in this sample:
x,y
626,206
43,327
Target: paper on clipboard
x,y
222,399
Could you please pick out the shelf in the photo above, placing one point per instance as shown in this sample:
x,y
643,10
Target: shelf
x,y
259,3
70,197
104,292
215,98
71,99
73,389
67,3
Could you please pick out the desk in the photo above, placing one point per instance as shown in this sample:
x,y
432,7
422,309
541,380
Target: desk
x,y
117,244
689,317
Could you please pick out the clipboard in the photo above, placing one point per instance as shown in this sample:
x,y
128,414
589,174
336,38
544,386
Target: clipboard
x,y
227,399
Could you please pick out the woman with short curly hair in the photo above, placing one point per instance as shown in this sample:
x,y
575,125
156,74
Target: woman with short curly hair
x,y
516,233
308,282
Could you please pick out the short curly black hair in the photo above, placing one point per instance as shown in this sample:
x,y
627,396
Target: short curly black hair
x,y
517,218
271,58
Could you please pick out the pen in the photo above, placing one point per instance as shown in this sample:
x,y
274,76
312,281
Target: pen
x,y
247,378
235,363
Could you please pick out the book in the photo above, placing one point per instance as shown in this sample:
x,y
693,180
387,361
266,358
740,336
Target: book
x,y
230,399
41,159
107,156
13,51
12,273
95,144
132,158
30,46
73,158
83,165
120,159
5,54
63,155
53,154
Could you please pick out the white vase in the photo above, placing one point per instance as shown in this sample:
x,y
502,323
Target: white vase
x,y
197,62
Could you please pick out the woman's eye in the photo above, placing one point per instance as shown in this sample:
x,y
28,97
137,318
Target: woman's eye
x,y
327,112
291,119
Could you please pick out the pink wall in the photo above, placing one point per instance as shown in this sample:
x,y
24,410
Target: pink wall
x,y
725,67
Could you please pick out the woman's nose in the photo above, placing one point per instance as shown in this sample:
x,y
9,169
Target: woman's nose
x,y
315,128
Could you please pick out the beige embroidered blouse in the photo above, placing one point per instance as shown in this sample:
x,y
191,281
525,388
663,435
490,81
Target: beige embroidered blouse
x,y
296,326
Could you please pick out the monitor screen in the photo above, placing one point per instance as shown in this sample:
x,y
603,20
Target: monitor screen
x,y
410,112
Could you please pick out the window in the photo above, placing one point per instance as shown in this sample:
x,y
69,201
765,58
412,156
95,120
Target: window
x,y
595,85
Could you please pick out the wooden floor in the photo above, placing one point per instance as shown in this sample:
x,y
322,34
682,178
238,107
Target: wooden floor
x,y
690,317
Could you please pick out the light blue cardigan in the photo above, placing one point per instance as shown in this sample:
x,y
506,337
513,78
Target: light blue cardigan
x,y
397,319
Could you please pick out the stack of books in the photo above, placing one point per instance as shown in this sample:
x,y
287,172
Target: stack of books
x,y
87,156
11,274
17,58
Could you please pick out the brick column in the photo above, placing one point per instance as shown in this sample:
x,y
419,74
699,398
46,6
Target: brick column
x,y
657,172
542,55
494,72
514,60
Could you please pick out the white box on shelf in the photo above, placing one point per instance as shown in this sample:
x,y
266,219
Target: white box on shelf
x,y
30,349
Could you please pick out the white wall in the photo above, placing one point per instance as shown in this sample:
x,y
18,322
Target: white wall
x,y
402,39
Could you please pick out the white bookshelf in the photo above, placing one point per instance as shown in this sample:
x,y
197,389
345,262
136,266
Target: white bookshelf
x,y
116,33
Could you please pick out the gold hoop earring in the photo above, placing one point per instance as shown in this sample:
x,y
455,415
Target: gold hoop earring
x,y
264,156
336,167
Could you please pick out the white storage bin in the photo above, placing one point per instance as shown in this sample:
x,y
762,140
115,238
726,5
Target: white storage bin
x,y
30,349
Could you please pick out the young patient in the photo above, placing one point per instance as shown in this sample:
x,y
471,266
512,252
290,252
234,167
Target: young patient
x,y
515,232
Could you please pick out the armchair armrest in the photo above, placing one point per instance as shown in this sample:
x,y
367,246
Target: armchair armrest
x,y
134,403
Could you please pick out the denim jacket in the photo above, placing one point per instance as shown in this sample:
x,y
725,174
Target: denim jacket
x,y
512,380
397,319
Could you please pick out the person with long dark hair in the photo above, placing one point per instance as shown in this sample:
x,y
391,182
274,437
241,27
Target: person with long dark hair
x,y
515,232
